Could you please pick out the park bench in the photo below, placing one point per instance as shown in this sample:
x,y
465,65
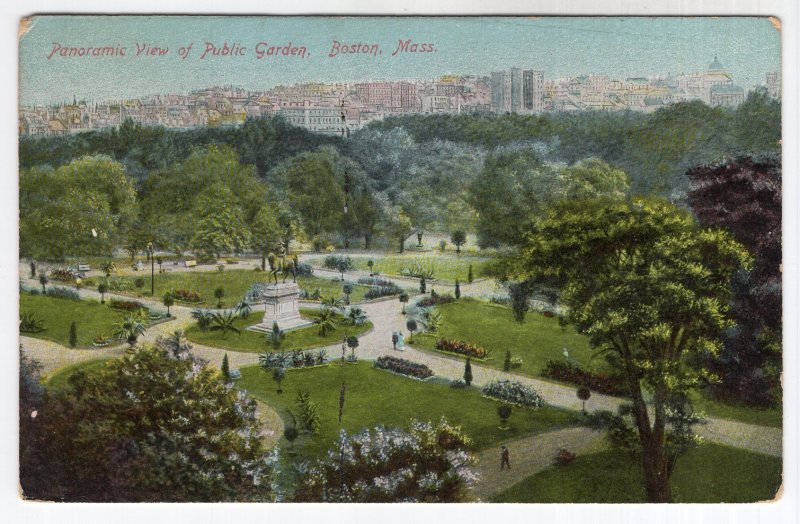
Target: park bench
x,y
190,263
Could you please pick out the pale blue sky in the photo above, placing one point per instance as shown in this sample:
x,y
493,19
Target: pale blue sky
x,y
619,47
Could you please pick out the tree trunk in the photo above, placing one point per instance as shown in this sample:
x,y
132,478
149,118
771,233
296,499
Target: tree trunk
x,y
367,241
402,241
263,262
656,471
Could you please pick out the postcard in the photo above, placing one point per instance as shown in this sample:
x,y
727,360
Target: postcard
x,y
394,259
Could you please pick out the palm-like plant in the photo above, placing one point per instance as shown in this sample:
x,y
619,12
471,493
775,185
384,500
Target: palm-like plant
x,y
130,329
275,336
326,320
108,267
356,316
332,303
102,289
433,320
225,321
243,309
203,317
132,249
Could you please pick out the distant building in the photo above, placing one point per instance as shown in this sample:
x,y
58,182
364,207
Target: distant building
x,y
726,95
774,84
533,90
501,91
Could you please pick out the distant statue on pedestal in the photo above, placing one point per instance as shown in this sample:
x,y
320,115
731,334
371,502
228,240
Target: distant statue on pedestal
x,y
273,268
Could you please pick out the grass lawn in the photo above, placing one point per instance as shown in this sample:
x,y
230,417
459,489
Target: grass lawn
x,y
91,318
709,473
751,415
493,327
446,267
58,380
255,342
235,283
375,396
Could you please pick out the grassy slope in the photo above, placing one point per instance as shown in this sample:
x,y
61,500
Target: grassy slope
x,y
254,342
91,318
59,379
234,282
491,326
447,267
375,396
709,473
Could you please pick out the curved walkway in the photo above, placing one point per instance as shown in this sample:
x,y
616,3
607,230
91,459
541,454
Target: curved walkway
x,y
386,317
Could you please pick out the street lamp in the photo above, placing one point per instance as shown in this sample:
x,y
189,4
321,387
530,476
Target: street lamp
x,y
152,269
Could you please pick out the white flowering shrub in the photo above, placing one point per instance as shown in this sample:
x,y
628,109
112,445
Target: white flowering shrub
x,y
425,463
513,392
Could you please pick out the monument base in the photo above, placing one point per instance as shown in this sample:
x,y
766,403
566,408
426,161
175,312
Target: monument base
x,y
281,305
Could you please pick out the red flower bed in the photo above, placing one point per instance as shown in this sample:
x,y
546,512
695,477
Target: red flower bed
x,y
462,348
404,367
599,382
435,300
125,305
184,295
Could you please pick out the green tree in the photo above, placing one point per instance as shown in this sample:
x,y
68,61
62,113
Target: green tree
x,y
458,290
309,412
219,293
275,336
168,301
399,227
507,361
222,230
468,372
504,412
652,290
470,277
403,297
108,267
278,375
266,232
73,334
125,432
225,369
594,178
458,238
412,327
102,288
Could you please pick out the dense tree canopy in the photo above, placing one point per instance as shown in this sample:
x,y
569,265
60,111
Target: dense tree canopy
x,y
153,426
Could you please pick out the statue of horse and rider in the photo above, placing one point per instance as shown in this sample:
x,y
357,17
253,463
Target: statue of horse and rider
x,y
280,264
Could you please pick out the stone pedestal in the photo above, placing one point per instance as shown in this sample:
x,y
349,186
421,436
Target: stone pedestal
x,y
281,305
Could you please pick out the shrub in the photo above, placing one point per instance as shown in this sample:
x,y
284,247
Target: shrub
x,y
417,271
566,371
513,392
62,274
184,295
119,284
125,305
63,292
303,269
28,323
462,348
100,340
504,412
501,301
382,291
139,282
404,367
339,263
458,384
435,300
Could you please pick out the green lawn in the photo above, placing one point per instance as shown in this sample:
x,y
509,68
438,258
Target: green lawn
x,y
255,342
710,473
58,380
537,340
446,267
235,283
91,318
751,415
375,396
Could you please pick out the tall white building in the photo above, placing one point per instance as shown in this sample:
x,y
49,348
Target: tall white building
x,y
533,90
501,91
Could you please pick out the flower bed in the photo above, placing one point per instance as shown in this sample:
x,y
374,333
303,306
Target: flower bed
x,y
513,392
462,348
184,295
435,300
125,305
404,367
294,359
566,371
62,292
62,274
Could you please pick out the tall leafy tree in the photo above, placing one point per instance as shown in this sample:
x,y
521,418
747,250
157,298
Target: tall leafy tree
x,y
651,288
743,195
150,427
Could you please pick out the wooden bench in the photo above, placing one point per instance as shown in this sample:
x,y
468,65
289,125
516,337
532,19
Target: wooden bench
x,y
190,263
84,268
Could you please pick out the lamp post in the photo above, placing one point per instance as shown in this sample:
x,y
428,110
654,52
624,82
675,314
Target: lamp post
x,y
152,269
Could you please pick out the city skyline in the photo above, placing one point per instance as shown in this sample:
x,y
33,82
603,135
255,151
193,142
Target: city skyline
x,y
617,47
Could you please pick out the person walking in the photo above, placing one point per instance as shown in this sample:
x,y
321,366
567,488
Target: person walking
x,y
394,340
504,458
